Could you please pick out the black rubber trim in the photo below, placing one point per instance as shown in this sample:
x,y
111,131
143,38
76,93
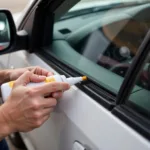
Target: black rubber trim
x,y
17,141
68,68
134,70
43,17
94,91
138,109
133,119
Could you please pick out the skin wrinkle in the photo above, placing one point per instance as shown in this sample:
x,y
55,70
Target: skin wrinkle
x,y
56,86
25,97
9,124
20,108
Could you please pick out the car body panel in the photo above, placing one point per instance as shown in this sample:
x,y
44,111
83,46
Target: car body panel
x,y
79,118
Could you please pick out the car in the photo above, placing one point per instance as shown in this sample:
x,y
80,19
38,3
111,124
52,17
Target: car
x,y
4,33
109,43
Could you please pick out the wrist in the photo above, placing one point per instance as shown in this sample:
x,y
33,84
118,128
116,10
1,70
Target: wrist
x,y
6,126
5,76
8,73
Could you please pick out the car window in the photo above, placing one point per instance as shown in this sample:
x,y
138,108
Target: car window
x,y
141,98
103,39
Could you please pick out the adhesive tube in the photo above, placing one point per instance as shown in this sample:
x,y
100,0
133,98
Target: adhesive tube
x,y
7,87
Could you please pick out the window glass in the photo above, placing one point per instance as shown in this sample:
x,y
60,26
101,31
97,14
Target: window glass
x,y
101,38
141,98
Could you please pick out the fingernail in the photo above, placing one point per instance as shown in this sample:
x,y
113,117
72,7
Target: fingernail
x,y
42,77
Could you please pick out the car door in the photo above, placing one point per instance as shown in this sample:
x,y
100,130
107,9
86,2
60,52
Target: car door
x,y
90,115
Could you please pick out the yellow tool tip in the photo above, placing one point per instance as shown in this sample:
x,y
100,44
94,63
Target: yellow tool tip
x,y
84,78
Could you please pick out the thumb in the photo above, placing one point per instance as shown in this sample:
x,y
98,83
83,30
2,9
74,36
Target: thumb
x,y
28,77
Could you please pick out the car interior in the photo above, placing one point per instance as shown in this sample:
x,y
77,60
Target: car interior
x,y
104,41
102,45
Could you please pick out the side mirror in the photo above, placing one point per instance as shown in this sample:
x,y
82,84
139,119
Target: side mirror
x,y
10,39
7,31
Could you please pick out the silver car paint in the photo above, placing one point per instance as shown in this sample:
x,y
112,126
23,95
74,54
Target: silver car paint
x,y
78,118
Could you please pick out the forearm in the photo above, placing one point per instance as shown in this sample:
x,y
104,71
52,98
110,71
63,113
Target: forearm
x,y
4,76
5,127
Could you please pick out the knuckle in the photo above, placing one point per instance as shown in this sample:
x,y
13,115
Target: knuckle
x,y
30,92
28,73
38,67
54,86
35,105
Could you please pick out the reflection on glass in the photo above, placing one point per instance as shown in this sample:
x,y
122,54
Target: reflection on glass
x,y
2,26
114,46
103,44
4,32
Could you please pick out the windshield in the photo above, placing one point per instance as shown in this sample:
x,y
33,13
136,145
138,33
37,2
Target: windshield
x,y
92,6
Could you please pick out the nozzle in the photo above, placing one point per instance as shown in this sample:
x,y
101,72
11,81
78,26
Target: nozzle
x,y
84,78
75,80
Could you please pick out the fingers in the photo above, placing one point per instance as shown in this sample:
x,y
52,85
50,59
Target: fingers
x,y
57,95
50,73
24,78
43,103
44,117
49,103
37,122
38,114
28,77
47,111
52,87
40,71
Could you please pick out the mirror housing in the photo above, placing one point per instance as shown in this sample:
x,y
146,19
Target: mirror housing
x,y
10,39
7,31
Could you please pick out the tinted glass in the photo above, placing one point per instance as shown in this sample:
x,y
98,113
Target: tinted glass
x,y
141,98
103,39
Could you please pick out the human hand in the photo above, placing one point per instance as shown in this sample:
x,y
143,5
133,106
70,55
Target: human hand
x,y
27,108
16,73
